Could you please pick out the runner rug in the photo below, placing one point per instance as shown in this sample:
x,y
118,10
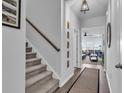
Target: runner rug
x,y
88,82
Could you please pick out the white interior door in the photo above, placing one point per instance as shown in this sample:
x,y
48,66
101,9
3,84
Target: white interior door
x,y
117,26
77,45
115,72
75,48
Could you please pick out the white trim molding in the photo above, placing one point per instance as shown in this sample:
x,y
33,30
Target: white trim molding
x,y
108,82
65,81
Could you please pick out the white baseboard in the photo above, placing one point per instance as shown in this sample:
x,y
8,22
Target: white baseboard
x,y
49,68
62,83
108,81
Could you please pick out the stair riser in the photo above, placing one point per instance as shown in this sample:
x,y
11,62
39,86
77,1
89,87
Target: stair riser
x,y
53,89
33,73
28,49
33,63
29,56
39,83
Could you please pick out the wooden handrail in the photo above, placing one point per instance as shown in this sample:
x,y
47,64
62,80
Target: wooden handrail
x,y
48,40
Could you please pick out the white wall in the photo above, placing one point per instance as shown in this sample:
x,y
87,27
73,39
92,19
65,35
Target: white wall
x,y
93,30
51,56
92,42
13,55
96,30
95,21
46,15
75,25
114,52
68,16
73,19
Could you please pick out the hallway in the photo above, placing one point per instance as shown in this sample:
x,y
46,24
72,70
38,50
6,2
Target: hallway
x,y
88,82
87,61
62,46
102,80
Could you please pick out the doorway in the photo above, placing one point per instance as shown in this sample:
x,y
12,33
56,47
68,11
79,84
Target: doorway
x,y
75,47
92,49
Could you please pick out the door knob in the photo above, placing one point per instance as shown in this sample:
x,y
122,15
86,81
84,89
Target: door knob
x,y
118,66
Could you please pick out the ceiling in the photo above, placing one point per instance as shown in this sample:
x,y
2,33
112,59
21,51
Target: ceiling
x,y
97,8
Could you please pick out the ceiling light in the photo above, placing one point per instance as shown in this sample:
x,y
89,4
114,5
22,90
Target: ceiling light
x,y
85,34
84,6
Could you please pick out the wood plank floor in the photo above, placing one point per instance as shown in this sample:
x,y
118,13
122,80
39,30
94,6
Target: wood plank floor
x,y
103,85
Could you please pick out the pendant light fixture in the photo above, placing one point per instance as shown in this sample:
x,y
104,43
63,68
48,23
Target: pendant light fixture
x,y
84,6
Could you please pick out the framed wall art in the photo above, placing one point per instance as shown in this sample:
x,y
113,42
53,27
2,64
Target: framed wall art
x,y
109,35
11,13
67,54
68,35
67,44
68,64
68,25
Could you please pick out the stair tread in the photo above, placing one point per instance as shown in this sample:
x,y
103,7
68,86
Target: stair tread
x,y
36,78
44,88
32,68
32,59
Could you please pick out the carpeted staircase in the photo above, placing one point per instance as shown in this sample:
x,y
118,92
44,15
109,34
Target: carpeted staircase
x,y
38,78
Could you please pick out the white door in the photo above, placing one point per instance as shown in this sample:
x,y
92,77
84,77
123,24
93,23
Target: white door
x,y
75,50
77,45
115,76
117,26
